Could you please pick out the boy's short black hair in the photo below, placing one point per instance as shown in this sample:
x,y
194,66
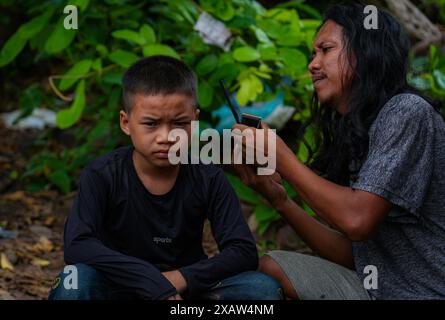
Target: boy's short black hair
x,y
158,75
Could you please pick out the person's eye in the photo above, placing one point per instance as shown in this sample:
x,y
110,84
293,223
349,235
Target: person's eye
x,y
181,123
326,49
150,124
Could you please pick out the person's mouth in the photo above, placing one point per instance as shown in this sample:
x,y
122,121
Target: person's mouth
x,y
317,79
162,154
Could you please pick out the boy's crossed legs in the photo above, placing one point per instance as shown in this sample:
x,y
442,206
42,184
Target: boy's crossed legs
x,y
93,285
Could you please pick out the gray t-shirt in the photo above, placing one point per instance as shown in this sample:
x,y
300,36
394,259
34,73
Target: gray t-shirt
x,y
406,166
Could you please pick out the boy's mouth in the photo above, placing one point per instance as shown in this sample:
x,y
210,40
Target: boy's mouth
x,y
162,154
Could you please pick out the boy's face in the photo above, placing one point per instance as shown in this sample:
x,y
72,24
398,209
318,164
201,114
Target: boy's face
x,y
151,119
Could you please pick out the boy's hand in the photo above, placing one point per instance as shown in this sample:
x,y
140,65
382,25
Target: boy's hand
x,y
175,297
176,279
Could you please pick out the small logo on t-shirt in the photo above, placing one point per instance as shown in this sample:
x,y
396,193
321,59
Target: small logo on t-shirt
x,y
162,240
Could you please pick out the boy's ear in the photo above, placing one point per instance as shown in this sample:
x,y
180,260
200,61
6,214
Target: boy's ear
x,y
123,119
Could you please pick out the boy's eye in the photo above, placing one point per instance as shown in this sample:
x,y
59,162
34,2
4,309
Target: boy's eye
x,y
181,123
149,123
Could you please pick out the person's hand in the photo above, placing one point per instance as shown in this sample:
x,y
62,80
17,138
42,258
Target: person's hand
x,y
269,187
249,143
176,279
175,297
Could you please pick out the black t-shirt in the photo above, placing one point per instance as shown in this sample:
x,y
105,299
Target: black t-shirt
x,y
118,227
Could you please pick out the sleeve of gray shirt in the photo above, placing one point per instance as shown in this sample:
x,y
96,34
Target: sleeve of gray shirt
x,y
400,157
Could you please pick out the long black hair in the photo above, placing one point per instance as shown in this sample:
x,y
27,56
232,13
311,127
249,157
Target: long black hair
x,y
381,58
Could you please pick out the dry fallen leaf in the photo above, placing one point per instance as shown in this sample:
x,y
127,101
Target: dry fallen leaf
x,y
40,262
4,263
18,195
44,245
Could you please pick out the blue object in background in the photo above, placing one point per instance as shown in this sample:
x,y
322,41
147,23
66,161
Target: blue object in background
x,y
260,109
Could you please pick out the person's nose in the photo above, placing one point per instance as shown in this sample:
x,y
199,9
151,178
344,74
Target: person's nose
x,y
162,134
315,64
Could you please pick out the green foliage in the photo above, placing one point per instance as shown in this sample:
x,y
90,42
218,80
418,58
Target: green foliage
x,y
267,46
269,52
428,73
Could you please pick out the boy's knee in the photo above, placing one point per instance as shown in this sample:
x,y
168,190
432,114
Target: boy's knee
x,y
254,285
78,282
262,287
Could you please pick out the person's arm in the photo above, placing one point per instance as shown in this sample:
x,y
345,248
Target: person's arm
x,y
83,244
355,213
237,247
396,171
324,241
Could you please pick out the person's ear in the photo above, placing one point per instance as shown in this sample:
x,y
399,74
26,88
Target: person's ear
x,y
124,122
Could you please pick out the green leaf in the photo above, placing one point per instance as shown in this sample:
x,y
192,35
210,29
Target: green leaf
x,y
227,71
12,48
129,35
439,78
113,78
60,38
97,65
205,95
33,27
123,58
82,4
61,179
265,216
67,117
15,44
303,151
261,35
207,65
267,52
159,49
148,34
225,11
291,36
246,54
272,28
75,73
249,89
102,50
30,99
295,61
308,210
242,191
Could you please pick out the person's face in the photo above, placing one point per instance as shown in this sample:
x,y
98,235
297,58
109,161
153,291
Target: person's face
x,y
150,121
329,67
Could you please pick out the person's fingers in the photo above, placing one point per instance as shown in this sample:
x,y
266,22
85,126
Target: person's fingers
x,y
264,125
276,177
239,126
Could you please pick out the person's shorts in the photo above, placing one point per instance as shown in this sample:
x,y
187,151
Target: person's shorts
x,y
315,279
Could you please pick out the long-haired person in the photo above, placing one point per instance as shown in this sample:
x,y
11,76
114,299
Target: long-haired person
x,y
377,178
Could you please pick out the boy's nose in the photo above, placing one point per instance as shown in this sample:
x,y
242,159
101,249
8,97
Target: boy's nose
x,y
162,134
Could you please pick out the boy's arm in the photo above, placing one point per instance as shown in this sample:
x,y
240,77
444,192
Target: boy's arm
x,y
83,244
237,247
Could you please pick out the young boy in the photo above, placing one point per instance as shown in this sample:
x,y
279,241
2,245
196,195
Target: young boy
x,y
135,228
